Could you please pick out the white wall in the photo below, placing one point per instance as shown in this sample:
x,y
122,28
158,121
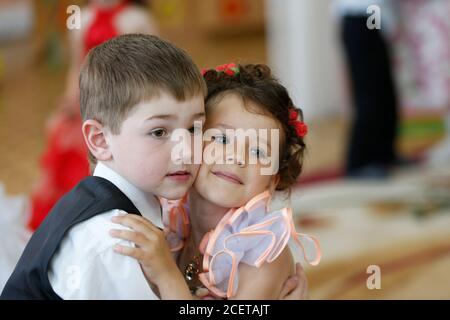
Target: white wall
x,y
304,52
16,20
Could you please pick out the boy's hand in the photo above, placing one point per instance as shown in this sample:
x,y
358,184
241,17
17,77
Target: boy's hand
x,y
295,287
152,250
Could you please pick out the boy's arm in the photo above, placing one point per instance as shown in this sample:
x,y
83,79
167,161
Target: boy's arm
x,y
86,266
153,253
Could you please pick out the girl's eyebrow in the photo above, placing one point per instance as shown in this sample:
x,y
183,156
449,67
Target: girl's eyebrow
x,y
223,125
263,140
266,143
198,115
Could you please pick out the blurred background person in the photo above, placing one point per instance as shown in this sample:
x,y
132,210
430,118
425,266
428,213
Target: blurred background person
x,y
372,144
64,162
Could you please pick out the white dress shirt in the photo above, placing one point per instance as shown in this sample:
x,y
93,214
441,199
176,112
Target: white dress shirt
x,y
85,265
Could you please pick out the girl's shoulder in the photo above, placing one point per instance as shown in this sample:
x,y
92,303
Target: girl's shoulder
x,y
251,235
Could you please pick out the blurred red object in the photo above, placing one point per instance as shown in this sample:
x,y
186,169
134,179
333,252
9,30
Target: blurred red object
x,y
63,165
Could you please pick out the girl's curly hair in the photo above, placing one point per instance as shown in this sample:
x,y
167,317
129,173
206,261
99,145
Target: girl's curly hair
x,y
255,83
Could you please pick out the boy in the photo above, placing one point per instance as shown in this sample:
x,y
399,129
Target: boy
x,y
134,90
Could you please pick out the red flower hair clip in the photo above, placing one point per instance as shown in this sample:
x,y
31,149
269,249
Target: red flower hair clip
x,y
300,127
229,68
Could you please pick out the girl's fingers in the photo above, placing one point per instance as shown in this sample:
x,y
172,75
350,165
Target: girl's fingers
x,y
135,253
140,219
135,237
301,274
299,291
136,225
303,281
289,285
134,221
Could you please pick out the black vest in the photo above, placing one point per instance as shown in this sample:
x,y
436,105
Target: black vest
x,y
92,196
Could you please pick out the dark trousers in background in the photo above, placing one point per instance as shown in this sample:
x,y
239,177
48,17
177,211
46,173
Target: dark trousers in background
x,y
373,131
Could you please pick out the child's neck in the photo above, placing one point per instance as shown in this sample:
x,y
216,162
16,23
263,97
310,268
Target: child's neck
x,y
204,215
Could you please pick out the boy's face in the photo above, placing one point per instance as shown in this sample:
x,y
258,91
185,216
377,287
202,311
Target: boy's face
x,y
141,152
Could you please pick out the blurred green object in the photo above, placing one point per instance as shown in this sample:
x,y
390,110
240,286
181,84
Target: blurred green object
x,y
436,198
53,41
54,50
422,126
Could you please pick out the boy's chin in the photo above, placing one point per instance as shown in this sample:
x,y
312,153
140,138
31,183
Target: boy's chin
x,y
174,194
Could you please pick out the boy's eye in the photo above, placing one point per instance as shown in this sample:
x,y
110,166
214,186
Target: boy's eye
x,y
258,152
158,133
221,139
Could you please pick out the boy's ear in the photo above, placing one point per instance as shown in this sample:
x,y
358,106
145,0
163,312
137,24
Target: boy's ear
x,y
274,183
94,136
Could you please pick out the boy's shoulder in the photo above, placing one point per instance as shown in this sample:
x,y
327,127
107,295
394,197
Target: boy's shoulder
x,y
91,237
86,254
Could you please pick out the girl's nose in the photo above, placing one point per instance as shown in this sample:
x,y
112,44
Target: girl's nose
x,y
235,158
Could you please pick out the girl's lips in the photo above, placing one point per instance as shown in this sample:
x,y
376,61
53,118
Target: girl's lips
x,y
179,175
228,176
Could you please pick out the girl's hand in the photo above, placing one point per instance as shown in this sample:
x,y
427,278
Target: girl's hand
x,y
152,250
295,287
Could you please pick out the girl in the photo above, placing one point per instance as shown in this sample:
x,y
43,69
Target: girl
x,y
230,242
65,163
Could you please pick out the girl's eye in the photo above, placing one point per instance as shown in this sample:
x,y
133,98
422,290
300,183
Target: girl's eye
x,y
195,129
158,133
258,152
221,139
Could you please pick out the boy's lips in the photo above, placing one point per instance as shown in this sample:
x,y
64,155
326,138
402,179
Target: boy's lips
x,y
181,175
228,176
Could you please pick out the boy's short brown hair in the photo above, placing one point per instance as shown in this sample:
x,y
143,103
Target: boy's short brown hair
x,y
128,69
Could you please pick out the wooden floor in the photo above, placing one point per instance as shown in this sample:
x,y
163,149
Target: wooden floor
x,y
400,225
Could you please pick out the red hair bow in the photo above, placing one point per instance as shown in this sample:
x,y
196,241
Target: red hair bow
x,y
229,68
300,127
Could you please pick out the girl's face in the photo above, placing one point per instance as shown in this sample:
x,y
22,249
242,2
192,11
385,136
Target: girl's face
x,y
234,182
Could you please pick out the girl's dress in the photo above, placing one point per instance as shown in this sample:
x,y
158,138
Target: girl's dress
x,y
251,234
65,161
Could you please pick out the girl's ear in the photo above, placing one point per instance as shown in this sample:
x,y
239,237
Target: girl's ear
x,y
94,136
274,183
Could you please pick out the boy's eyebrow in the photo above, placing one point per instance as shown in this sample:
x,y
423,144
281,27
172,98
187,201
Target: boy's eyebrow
x,y
171,116
161,116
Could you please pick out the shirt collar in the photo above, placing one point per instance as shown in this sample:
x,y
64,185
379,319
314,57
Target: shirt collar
x,y
147,204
